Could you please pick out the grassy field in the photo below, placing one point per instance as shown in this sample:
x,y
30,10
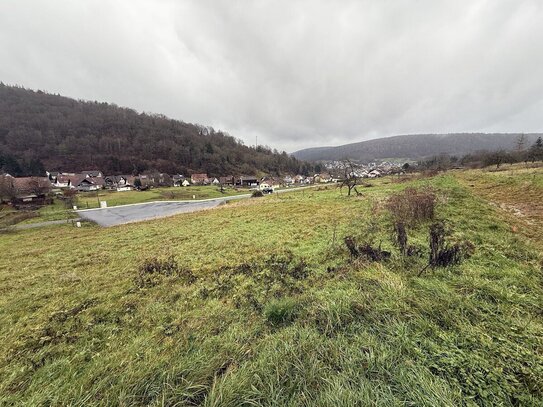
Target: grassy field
x,y
258,303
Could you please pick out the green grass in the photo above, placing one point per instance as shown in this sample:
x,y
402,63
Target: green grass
x,y
278,314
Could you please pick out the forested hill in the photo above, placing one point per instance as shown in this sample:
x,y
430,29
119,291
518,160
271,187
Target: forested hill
x,y
417,146
41,130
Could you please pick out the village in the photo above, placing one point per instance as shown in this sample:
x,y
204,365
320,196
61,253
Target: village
x,y
35,191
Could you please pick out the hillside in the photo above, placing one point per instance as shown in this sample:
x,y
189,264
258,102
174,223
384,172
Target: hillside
x,y
416,146
40,130
286,317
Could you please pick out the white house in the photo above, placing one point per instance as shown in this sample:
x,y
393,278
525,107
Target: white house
x,y
374,174
185,183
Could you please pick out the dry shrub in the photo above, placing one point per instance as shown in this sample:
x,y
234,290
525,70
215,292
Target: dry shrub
x,y
443,254
365,250
399,237
412,205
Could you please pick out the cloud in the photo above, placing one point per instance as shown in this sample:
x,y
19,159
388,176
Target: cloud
x,y
292,73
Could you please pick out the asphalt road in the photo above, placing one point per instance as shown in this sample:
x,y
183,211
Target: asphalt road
x,y
118,215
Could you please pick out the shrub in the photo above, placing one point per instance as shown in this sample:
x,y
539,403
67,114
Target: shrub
x,y
365,250
412,206
443,254
257,194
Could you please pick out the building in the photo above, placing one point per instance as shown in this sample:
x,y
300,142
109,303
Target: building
x,y
199,179
247,181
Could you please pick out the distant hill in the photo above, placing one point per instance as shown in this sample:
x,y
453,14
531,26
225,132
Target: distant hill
x,y
416,146
40,130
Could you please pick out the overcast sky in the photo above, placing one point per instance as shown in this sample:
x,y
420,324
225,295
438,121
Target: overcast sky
x,y
294,73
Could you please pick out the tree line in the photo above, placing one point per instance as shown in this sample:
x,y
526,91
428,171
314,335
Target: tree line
x,y
40,130
522,153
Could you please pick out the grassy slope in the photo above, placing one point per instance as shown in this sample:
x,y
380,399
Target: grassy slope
x,y
75,328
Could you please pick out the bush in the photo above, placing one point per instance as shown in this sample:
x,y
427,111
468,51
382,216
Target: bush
x,y
443,254
412,206
257,193
365,250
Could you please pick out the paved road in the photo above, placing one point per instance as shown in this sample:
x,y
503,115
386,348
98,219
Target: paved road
x,y
117,215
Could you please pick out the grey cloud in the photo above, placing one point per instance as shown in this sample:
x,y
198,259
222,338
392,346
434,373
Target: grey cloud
x,y
292,73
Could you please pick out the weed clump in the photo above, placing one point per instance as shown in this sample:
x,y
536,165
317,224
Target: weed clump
x,y
412,206
153,271
281,311
257,194
253,284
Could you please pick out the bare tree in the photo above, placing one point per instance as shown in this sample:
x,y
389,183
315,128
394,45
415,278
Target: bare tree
x,y
7,190
38,186
350,178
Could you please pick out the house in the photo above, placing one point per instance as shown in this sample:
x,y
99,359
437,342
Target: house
x,y
322,177
299,179
374,174
86,184
29,190
61,181
229,180
157,179
271,182
52,175
247,181
178,180
288,180
215,181
185,183
199,179
120,182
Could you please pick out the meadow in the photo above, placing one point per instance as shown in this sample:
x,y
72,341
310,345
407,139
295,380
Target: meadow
x,y
259,303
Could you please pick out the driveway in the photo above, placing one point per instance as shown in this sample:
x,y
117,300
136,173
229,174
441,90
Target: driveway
x,y
118,215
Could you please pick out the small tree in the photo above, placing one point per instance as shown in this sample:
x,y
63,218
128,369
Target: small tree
x,y
536,151
350,178
39,186
7,191
137,183
70,197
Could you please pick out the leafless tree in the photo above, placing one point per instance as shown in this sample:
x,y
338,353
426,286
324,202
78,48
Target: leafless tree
x,y
38,186
7,191
350,178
